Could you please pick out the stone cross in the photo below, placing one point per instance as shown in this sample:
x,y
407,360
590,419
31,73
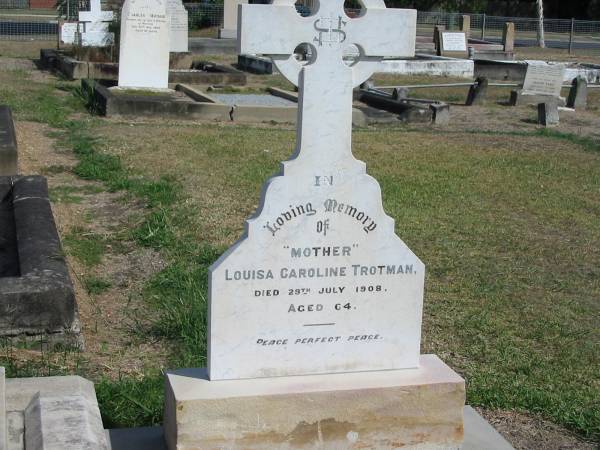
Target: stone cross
x,y
326,82
95,14
319,283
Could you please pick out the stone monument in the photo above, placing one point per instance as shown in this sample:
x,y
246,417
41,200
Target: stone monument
x,y
315,313
145,44
93,26
453,44
543,82
179,26
230,19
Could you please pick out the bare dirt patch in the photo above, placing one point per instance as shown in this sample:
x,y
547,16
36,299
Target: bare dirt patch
x,y
115,321
526,432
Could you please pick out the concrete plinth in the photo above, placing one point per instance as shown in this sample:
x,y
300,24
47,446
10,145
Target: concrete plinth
x,y
416,408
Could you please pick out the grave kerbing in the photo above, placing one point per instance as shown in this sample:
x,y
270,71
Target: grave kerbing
x,y
315,313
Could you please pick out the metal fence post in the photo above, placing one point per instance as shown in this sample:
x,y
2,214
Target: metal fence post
x,y
483,20
571,36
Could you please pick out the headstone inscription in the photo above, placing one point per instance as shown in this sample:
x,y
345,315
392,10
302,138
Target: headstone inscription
x,y
68,32
94,26
319,297
542,82
145,43
320,283
544,79
453,43
179,26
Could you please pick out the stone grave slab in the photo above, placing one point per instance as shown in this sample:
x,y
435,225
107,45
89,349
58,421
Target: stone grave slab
x,y
36,295
542,82
362,410
8,143
230,19
178,29
145,45
49,409
453,44
478,92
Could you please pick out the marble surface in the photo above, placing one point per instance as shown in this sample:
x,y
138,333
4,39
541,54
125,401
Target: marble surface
x,y
230,19
319,283
145,44
419,408
94,26
251,99
544,79
178,29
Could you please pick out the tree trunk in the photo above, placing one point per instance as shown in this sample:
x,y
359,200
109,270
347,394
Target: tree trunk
x,y
540,31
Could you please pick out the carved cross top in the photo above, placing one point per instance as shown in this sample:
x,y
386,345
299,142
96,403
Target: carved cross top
x,y
325,82
95,14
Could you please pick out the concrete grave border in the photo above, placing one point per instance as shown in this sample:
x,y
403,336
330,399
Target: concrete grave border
x,y
40,301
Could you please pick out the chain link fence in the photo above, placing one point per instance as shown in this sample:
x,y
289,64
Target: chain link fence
x,y
21,20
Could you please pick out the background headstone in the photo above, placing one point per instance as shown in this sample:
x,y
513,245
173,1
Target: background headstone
x,y
230,19
179,26
465,25
68,32
94,26
145,44
544,79
548,113
478,92
508,37
453,44
578,94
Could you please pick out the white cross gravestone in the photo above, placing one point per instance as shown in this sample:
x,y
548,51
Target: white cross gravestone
x,y
311,312
178,26
320,283
94,26
145,43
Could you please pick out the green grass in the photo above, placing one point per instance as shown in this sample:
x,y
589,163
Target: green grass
x,y
507,224
87,247
95,286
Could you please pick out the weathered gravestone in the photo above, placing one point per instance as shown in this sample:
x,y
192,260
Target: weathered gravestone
x,y
453,44
548,113
68,32
543,82
230,19
478,92
315,314
508,37
94,26
8,143
145,44
578,94
178,26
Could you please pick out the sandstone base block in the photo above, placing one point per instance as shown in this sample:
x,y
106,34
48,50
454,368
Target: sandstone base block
x,y
410,409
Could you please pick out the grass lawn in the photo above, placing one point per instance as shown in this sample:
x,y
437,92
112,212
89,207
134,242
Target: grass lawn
x,y
505,221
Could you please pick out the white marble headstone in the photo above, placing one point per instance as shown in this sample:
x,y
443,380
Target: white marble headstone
x,y
230,19
145,43
94,26
68,32
179,26
544,79
319,283
454,41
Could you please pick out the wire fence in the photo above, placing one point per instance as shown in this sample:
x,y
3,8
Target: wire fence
x,y
26,20
571,34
